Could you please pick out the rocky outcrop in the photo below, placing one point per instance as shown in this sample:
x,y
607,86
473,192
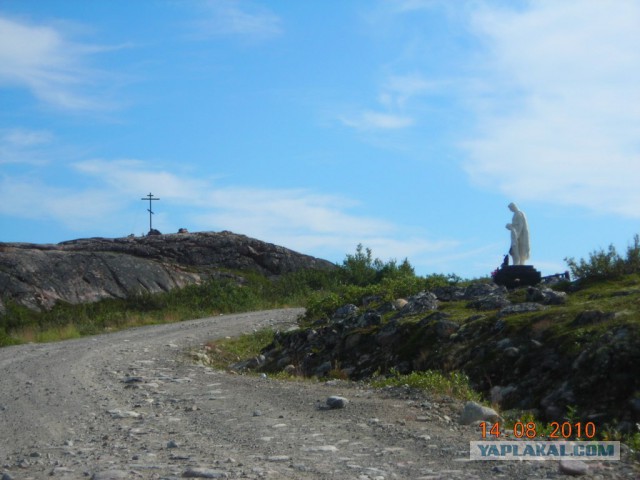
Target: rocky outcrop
x,y
523,356
87,270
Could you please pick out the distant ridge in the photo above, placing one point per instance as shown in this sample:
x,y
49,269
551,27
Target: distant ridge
x,y
92,269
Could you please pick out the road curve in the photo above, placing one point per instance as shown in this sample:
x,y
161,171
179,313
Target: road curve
x,y
133,404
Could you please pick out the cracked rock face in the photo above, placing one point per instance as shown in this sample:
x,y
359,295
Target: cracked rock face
x,y
88,270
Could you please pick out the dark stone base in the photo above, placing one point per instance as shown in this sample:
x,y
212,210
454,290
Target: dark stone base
x,y
512,276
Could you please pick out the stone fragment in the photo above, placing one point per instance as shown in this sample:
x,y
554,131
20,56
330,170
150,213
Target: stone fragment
x,y
336,402
278,458
204,473
546,296
420,303
555,298
399,303
489,302
133,380
367,319
499,393
520,308
474,412
321,448
512,352
476,291
573,467
449,293
345,311
123,414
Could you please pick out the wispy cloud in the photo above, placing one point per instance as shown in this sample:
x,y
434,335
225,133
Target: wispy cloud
x,y
129,176
23,145
369,120
327,225
43,60
558,108
400,89
395,101
232,17
34,199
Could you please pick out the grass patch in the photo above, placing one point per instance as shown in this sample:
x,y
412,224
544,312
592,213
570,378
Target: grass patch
x,y
22,325
453,384
227,351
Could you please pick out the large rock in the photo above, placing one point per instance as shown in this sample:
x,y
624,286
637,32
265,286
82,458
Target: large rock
x,y
420,303
474,412
89,270
546,296
476,291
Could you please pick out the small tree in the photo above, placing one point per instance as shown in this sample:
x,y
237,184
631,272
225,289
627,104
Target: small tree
x,y
360,268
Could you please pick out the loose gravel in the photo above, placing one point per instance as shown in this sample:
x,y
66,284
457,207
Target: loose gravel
x,y
134,405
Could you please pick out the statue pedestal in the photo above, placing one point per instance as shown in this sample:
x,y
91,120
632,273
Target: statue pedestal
x,y
512,276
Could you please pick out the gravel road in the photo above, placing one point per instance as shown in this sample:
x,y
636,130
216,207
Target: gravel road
x,y
133,404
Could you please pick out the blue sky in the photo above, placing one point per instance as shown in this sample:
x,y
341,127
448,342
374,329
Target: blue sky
x,y
404,125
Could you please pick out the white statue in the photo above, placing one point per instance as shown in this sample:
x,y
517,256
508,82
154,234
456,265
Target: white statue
x,y
519,236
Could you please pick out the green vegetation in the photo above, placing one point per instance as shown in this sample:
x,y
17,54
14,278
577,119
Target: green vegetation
x,y
362,277
320,291
608,264
453,384
64,321
221,353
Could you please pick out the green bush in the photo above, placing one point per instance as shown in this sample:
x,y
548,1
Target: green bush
x,y
607,264
361,276
362,269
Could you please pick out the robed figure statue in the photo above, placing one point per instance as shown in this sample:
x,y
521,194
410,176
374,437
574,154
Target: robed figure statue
x,y
519,236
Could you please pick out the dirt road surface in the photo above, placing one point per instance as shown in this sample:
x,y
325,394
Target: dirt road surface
x,y
134,404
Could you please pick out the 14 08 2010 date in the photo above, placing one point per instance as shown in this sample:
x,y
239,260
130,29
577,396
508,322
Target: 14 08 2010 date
x,y
530,430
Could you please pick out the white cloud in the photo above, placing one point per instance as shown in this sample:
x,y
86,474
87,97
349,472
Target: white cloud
x,y
325,225
19,145
232,17
399,89
369,120
41,59
397,98
559,113
134,177
34,199
309,222
25,138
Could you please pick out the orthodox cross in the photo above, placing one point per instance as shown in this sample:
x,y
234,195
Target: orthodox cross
x,y
150,198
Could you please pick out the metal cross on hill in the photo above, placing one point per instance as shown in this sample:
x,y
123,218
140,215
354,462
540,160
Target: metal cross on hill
x,y
150,198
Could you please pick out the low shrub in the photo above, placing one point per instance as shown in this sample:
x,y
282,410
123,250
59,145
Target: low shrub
x,y
454,384
607,264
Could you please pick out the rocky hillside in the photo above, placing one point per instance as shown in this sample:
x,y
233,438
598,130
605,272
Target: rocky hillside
x,y
561,355
92,269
